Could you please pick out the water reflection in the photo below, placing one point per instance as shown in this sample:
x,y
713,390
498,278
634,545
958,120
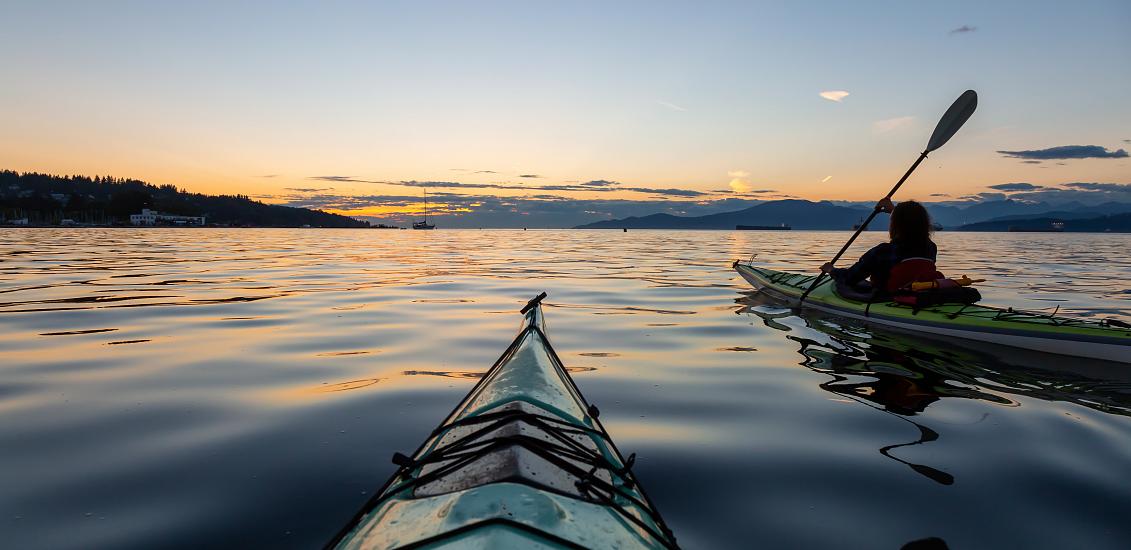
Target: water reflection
x,y
283,367
902,376
906,374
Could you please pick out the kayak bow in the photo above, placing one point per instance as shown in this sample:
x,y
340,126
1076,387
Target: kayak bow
x,y
1096,339
521,461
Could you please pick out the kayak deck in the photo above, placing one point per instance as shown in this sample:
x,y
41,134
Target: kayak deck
x,y
521,461
1097,339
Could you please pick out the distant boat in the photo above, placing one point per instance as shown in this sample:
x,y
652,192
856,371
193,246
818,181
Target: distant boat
x,y
782,227
424,224
1056,226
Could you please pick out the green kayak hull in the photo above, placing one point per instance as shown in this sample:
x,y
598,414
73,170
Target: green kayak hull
x,y
1095,339
521,462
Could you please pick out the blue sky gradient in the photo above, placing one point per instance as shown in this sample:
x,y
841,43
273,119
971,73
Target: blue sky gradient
x,y
712,97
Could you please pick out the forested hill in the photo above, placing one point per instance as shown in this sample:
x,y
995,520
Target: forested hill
x,y
47,199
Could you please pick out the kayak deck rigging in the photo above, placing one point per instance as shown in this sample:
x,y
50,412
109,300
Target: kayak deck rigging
x,y
1106,339
522,459
954,311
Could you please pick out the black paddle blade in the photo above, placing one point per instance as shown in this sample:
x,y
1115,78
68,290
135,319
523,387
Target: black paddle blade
x,y
953,119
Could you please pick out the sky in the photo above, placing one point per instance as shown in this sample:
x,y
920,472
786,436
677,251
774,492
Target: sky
x,y
357,107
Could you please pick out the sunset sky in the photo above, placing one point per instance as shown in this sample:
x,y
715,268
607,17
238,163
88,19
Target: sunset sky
x,y
585,100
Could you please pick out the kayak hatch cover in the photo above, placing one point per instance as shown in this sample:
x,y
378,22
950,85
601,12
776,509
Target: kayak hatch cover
x,y
522,461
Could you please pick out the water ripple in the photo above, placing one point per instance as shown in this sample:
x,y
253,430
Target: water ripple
x,y
246,387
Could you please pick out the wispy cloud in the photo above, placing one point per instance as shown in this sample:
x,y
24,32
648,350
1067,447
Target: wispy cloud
x,y
891,124
963,29
1067,152
834,95
307,189
669,192
672,106
1085,192
827,178
1117,187
529,176
268,176
473,171
598,186
1020,186
343,179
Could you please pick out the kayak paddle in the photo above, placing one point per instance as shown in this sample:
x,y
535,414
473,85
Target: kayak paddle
x,y
951,121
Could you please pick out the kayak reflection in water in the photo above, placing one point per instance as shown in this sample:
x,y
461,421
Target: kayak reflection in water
x,y
908,256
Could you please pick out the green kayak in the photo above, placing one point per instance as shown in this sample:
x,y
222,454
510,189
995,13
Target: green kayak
x,y
522,461
1108,340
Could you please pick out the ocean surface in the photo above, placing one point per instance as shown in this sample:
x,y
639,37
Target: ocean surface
x,y
190,388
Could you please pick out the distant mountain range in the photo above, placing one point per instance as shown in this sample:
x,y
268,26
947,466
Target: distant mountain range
x,y
952,216
1116,223
800,214
47,199
803,214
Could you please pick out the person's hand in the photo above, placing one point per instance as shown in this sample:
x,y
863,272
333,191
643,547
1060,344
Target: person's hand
x,y
827,268
885,205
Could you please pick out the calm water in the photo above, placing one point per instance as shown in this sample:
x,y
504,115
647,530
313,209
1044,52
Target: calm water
x,y
190,388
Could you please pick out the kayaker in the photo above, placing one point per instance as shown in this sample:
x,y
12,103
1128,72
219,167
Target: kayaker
x,y
909,255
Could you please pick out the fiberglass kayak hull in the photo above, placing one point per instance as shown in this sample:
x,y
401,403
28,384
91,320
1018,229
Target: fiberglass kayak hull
x,y
522,461
1041,333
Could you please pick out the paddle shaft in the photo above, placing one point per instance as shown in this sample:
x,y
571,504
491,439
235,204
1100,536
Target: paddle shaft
x,y
863,226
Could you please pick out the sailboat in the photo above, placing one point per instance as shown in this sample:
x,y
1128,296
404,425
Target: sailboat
x,y
424,224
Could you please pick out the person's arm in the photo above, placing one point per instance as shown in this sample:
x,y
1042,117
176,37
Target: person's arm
x,y
859,271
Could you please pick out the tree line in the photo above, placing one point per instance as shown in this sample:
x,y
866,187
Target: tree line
x,y
46,199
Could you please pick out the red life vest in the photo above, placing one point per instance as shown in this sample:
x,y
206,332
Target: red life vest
x,y
911,270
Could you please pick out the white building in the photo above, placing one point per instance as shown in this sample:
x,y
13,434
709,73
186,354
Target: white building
x,y
153,217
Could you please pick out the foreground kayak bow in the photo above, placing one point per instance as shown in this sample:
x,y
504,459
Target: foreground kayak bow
x,y
522,461
1107,340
